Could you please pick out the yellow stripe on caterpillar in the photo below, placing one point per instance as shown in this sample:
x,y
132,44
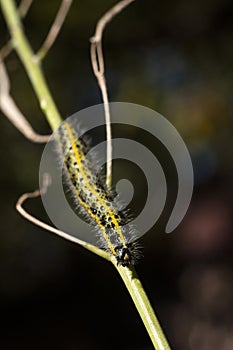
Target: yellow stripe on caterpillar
x,y
93,200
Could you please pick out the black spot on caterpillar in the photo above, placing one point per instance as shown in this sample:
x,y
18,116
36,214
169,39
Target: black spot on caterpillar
x,y
94,201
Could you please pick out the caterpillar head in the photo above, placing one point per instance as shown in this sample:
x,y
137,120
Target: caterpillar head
x,y
127,255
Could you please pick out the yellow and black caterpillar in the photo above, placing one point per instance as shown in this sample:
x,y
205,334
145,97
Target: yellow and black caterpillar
x,y
94,201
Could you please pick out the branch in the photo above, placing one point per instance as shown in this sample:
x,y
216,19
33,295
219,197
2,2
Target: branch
x,y
23,10
35,74
128,274
32,66
145,310
24,7
12,112
97,61
37,222
7,104
54,30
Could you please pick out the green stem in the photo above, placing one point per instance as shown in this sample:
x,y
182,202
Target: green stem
x,y
144,307
31,64
34,71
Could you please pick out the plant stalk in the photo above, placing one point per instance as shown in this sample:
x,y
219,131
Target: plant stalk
x,y
31,63
145,310
34,71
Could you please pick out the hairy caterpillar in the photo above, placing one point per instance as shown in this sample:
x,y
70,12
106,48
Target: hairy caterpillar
x,y
94,201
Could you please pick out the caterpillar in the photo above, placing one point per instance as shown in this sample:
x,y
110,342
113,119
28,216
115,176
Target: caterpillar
x,y
94,201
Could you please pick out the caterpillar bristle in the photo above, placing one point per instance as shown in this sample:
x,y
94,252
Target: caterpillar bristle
x,y
97,205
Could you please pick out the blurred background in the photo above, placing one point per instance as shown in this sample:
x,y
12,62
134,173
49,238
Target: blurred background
x,y
176,58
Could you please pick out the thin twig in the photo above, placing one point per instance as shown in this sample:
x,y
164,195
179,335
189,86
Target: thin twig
x,y
97,60
55,29
12,112
7,104
24,7
6,50
29,217
32,67
107,17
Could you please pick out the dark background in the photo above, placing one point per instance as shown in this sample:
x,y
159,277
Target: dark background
x,y
176,58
